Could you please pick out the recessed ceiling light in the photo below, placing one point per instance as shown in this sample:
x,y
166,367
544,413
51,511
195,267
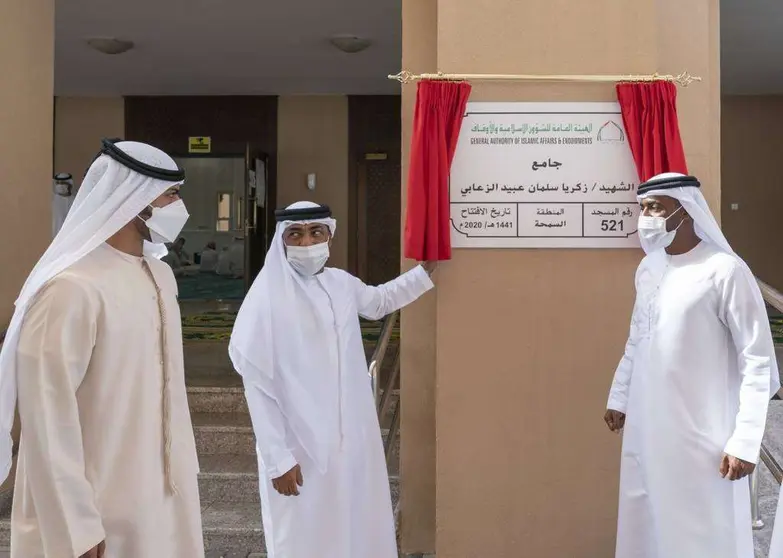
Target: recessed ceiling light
x,y
110,45
350,43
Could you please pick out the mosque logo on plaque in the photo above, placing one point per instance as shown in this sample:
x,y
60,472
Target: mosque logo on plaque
x,y
200,144
611,132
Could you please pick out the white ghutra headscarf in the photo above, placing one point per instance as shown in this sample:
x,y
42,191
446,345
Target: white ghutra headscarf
x,y
268,346
708,230
111,196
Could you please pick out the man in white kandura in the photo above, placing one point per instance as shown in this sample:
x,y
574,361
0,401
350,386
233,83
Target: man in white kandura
x,y
695,382
107,460
298,346
62,199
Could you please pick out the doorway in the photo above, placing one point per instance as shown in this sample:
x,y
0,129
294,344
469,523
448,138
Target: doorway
x,y
222,247
211,263
378,219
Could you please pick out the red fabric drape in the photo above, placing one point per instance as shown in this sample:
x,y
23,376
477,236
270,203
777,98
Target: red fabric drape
x,y
650,118
440,108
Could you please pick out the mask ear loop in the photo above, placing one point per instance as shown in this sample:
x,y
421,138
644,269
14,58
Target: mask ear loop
x,y
146,212
681,220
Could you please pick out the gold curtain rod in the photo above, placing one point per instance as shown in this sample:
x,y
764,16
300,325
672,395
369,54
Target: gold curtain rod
x,y
683,80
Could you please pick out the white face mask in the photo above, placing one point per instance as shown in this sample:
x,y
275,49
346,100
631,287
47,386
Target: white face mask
x,y
308,260
653,234
166,222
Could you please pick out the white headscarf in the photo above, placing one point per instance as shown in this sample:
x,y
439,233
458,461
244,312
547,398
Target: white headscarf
x,y
267,344
708,230
111,196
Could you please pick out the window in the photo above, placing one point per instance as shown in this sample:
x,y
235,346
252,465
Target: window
x,y
223,212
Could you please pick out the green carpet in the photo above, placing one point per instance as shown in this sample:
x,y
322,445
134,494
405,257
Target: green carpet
x,y
776,324
208,326
216,326
208,286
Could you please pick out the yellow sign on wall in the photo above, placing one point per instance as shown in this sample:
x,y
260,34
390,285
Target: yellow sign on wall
x,y
199,144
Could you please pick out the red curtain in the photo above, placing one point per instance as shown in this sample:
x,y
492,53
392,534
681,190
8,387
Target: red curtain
x,y
650,118
440,108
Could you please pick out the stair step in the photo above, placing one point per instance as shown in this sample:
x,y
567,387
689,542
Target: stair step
x,y
210,399
234,478
231,399
229,530
228,478
229,554
223,433
222,554
232,527
229,434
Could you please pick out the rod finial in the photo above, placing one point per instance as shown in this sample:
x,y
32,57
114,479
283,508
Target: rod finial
x,y
685,79
403,77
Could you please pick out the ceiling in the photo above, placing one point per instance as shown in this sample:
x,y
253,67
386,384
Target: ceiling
x,y
224,47
751,46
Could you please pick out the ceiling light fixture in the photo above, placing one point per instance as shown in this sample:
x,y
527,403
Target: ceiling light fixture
x,y
350,44
110,45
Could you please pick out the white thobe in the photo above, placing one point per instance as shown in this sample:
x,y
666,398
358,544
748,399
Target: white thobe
x,y
61,205
209,261
231,261
236,257
344,512
694,383
90,377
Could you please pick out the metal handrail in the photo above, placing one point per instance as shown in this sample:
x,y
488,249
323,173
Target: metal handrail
x,y
383,404
380,352
383,397
765,457
391,439
773,466
774,299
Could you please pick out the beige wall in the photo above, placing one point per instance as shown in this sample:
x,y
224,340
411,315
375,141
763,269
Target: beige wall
x,y
313,138
752,146
518,373
27,62
80,124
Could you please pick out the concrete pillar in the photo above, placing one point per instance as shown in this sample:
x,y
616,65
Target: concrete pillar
x,y
26,122
507,367
26,107
323,150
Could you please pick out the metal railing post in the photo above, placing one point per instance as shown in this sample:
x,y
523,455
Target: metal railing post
x,y
385,399
755,514
374,380
775,299
383,396
391,439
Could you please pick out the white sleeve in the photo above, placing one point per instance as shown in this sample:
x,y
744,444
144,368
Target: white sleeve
x,y
54,351
618,393
374,303
270,429
748,323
